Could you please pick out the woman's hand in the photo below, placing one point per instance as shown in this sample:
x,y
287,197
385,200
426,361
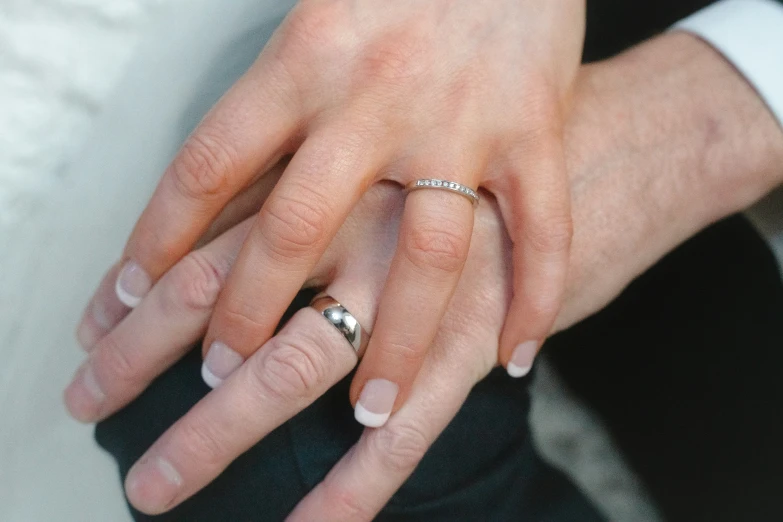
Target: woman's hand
x,y
370,90
308,356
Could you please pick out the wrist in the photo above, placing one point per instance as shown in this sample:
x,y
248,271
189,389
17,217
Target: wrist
x,y
741,141
661,141
701,122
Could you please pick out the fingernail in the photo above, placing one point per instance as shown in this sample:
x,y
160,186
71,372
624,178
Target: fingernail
x,y
220,362
133,283
153,484
376,402
87,334
522,359
84,395
91,384
96,323
103,313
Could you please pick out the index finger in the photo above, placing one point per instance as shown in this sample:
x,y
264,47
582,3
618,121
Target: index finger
x,y
242,136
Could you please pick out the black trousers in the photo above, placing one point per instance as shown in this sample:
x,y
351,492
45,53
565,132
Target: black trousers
x,y
682,368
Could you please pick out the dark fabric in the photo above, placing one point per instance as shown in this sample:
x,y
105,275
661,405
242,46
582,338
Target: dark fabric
x,y
500,479
685,366
484,466
615,25
685,369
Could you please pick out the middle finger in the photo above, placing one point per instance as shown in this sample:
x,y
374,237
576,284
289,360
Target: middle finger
x,y
325,179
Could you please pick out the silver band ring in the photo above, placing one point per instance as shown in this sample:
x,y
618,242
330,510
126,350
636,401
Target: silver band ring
x,y
339,317
457,188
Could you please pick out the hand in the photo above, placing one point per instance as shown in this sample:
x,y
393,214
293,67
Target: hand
x,y
358,92
627,194
296,366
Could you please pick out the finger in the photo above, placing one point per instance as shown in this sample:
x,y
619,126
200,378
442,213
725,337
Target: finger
x,y
156,334
364,480
103,312
293,369
432,250
463,353
536,206
245,204
173,317
323,182
244,134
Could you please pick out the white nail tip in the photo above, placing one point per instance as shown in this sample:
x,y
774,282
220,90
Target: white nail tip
x,y
212,380
91,384
368,418
129,300
168,471
517,371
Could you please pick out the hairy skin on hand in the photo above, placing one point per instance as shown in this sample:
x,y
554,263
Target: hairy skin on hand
x,y
664,140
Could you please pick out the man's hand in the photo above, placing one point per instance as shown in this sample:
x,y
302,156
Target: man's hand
x,y
665,139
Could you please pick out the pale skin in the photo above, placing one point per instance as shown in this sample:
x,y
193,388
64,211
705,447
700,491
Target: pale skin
x,y
632,204
365,91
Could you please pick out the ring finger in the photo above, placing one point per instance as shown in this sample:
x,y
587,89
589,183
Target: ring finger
x,y
432,249
349,493
295,367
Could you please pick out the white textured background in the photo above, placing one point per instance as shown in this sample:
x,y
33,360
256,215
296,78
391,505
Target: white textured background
x,y
60,225
59,60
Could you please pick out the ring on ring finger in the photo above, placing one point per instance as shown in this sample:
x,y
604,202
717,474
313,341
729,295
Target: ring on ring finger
x,y
343,320
439,184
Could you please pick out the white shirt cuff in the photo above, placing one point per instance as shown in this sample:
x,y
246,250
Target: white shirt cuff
x,y
749,33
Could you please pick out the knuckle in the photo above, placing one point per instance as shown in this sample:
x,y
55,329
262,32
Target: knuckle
x,y
242,316
541,110
400,447
435,247
406,351
313,26
195,283
542,307
292,226
203,166
346,504
398,57
115,363
551,235
294,370
201,441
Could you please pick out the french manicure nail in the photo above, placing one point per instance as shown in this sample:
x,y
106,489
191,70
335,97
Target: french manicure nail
x,y
133,283
103,313
376,402
105,319
220,362
91,384
96,323
87,334
522,359
84,395
153,484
